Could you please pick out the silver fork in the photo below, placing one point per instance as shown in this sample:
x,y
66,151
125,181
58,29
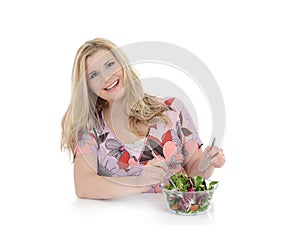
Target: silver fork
x,y
207,164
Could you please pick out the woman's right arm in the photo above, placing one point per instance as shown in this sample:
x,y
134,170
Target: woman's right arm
x,y
89,185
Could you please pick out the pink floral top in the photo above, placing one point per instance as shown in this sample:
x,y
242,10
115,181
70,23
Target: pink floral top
x,y
174,143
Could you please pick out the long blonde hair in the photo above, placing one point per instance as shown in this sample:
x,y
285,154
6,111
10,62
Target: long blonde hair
x,y
84,106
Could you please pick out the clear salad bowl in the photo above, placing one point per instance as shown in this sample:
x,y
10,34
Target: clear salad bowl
x,y
190,197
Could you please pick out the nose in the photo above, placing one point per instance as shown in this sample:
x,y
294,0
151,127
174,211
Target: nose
x,y
106,76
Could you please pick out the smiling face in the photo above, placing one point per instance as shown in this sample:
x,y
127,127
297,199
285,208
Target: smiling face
x,y
105,76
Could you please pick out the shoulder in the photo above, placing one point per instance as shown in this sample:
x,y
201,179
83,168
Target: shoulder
x,y
86,143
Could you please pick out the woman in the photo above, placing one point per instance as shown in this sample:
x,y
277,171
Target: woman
x,y
125,141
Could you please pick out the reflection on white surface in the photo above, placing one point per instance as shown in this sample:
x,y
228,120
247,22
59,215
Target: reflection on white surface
x,y
143,208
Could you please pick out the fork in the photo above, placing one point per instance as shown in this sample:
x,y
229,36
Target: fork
x,y
207,164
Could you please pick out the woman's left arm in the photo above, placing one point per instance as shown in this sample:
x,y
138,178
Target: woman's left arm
x,y
197,163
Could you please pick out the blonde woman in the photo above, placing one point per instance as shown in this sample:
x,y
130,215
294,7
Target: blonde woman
x,y
123,140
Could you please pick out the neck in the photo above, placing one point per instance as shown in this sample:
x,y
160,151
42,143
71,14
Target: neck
x,y
115,109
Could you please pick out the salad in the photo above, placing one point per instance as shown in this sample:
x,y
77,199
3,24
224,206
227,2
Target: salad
x,y
191,195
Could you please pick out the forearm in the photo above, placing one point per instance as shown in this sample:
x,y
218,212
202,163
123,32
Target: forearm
x,y
93,186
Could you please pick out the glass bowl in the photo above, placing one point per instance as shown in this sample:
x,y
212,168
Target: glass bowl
x,y
188,203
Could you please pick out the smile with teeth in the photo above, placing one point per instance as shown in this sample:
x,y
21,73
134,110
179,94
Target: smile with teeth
x,y
110,87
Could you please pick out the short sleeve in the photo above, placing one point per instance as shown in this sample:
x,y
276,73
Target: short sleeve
x,y
86,143
186,128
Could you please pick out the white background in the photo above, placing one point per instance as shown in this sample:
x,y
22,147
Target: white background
x,y
251,47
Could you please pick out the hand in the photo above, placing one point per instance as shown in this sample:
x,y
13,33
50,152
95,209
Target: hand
x,y
216,156
155,172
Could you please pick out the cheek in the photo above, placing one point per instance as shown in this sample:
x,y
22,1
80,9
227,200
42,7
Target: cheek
x,y
95,85
121,74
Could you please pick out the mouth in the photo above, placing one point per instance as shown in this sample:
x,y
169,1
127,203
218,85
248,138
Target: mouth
x,y
112,86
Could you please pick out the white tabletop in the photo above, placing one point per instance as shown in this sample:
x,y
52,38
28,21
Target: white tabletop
x,y
145,208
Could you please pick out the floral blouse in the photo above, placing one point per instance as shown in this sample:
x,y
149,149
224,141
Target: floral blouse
x,y
175,144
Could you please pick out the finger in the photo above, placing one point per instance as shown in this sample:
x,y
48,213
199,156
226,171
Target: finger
x,y
219,164
163,164
156,170
207,149
218,160
159,163
158,175
214,151
218,157
153,162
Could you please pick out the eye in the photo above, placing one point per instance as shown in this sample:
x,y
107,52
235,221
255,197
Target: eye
x,y
93,75
110,64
